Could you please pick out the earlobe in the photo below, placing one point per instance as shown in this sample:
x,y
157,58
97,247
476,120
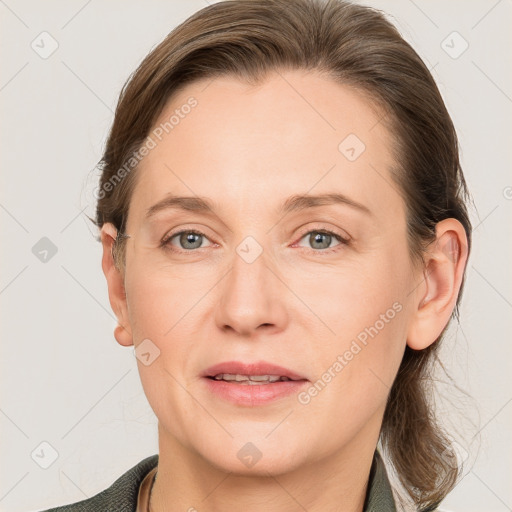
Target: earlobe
x,y
123,336
115,283
445,262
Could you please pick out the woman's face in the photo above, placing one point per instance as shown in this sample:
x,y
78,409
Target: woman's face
x,y
321,288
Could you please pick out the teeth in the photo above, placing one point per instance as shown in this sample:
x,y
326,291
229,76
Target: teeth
x,y
263,378
249,379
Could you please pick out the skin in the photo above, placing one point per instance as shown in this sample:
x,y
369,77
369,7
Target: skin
x,y
248,149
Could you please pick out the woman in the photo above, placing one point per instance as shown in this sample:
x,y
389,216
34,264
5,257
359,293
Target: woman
x,y
285,237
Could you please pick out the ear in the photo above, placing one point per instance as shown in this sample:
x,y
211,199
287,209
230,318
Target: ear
x,y
115,283
445,261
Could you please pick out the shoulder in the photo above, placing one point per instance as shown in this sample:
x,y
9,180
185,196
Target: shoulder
x,y
121,496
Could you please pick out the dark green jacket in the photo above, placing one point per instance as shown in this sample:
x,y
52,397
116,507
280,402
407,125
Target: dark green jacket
x,y
121,496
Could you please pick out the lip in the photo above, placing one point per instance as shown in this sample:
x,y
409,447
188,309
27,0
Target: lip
x,y
252,395
256,368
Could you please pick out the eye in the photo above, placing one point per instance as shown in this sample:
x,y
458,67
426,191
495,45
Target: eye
x,y
321,240
188,240
191,239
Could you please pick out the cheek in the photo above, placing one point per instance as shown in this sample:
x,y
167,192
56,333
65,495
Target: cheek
x,y
161,298
160,311
157,308
354,372
344,299
165,306
364,320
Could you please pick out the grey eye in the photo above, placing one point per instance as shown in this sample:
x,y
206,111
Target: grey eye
x,y
321,239
193,239
188,240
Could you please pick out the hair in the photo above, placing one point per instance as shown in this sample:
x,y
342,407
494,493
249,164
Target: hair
x,y
358,47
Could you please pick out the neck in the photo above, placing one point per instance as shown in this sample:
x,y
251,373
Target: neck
x,y
188,482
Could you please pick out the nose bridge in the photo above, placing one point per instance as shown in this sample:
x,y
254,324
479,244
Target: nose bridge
x,y
249,298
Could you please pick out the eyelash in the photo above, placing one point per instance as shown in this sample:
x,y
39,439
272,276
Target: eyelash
x,y
343,241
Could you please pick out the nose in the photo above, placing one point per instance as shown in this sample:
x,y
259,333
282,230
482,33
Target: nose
x,y
251,298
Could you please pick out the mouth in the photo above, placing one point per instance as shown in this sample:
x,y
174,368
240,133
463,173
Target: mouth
x,y
252,384
251,380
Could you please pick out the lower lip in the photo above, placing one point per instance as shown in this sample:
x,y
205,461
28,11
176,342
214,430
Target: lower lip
x,y
252,395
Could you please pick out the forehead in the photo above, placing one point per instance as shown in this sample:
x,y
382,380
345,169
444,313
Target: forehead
x,y
293,133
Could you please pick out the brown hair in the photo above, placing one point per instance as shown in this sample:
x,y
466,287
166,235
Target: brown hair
x,y
357,47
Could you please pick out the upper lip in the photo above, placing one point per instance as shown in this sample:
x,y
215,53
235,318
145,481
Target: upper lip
x,y
254,368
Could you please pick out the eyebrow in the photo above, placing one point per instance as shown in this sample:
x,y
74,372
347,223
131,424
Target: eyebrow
x,y
294,203
302,202
189,203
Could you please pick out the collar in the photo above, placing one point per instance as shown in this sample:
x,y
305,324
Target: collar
x,y
379,497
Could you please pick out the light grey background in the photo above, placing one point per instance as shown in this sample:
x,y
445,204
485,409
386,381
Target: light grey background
x,y
64,379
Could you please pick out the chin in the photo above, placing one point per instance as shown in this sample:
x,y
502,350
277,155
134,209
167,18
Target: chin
x,y
254,455
267,465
